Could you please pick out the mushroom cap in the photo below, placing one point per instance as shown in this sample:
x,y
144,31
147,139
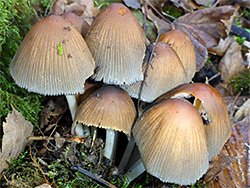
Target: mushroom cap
x,y
219,126
108,107
117,43
52,59
89,86
171,141
164,73
183,46
78,22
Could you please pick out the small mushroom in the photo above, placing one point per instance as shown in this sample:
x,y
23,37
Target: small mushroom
x,y
110,108
164,73
184,48
78,22
212,109
172,142
117,43
53,59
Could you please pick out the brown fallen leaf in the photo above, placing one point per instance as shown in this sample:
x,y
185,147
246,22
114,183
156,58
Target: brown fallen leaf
x,y
205,2
205,27
83,8
45,185
243,111
218,165
133,3
16,131
242,3
185,4
222,47
237,174
232,62
59,140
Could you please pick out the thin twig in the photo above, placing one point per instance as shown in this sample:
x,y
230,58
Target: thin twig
x,y
89,174
40,138
214,76
217,2
158,12
47,8
146,72
38,166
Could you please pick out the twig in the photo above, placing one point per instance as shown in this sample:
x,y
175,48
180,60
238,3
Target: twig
x,y
38,166
40,138
158,12
47,8
214,76
146,72
89,174
217,2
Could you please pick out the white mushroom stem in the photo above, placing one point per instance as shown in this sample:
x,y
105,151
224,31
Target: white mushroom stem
x,y
110,144
80,130
136,170
72,105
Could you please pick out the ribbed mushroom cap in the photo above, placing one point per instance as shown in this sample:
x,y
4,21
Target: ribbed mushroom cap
x,y
117,43
165,72
183,46
78,22
108,107
52,59
171,141
212,107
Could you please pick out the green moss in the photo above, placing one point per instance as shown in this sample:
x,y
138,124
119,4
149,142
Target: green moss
x,y
16,19
241,82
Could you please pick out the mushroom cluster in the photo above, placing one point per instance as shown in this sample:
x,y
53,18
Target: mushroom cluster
x,y
186,125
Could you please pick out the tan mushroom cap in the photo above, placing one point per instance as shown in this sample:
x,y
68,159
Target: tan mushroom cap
x,y
213,108
78,22
117,43
52,59
90,87
108,107
165,72
171,141
183,46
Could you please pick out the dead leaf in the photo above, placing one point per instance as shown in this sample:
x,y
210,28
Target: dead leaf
x,y
45,185
237,174
204,27
133,3
232,62
16,131
83,8
244,111
222,47
185,4
59,140
204,2
242,3
218,165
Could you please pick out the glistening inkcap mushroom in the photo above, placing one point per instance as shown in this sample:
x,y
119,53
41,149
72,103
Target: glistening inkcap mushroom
x,y
164,73
53,59
110,108
184,48
117,43
212,109
172,142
